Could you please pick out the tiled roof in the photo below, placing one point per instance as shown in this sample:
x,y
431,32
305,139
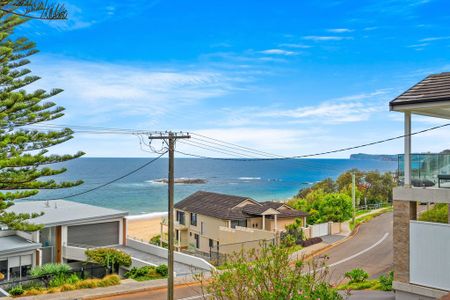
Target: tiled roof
x,y
213,204
433,88
223,206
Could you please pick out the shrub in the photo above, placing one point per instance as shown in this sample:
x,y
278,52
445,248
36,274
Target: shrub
x,y
33,292
87,284
357,275
109,280
156,240
147,273
163,270
386,281
311,241
67,287
16,291
50,270
109,258
439,214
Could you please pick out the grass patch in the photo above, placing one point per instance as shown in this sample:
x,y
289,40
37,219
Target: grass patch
x,y
147,273
369,217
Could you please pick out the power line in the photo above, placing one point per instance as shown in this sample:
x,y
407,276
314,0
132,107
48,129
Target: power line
x,y
105,130
109,182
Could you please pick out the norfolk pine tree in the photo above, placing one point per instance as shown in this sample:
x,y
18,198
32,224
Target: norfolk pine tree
x,y
24,159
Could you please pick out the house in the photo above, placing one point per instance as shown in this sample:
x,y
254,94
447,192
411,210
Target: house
x,y
69,229
207,221
66,226
422,249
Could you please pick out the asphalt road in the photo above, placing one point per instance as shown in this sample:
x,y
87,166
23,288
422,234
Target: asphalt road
x,y
370,249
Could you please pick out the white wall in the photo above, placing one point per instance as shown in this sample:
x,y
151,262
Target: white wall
x,y
178,256
430,254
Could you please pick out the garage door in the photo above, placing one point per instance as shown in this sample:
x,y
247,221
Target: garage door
x,y
102,234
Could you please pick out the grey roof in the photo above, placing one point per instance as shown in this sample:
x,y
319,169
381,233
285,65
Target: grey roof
x,y
62,212
433,88
223,206
216,205
14,243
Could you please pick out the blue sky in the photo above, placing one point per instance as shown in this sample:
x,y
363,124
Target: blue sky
x,y
289,77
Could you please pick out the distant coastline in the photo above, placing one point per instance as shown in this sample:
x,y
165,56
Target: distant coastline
x,y
384,157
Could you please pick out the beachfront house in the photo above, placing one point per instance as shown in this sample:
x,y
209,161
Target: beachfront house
x,y
69,228
422,249
209,222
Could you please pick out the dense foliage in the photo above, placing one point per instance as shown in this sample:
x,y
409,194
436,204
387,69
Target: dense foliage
x,y
110,258
269,274
147,273
34,9
24,160
330,200
48,272
323,207
438,214
357,275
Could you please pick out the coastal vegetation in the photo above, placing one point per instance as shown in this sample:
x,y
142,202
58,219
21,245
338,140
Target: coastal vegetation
x,y
24,157
330,200
71,283
438,214
148,273
269,274
359,280
109,258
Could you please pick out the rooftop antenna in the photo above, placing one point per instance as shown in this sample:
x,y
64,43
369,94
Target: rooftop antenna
x,y
47,203
56,206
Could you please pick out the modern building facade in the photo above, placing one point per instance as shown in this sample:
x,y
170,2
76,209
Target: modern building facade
x,y
69,228
209,221
422,249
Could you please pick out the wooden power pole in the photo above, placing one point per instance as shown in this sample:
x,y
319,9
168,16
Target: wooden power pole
x,y
170,139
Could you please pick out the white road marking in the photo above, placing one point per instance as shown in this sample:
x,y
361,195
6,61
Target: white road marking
x,y
360,252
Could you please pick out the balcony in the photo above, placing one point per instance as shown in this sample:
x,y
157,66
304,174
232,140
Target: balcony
x,y
425,169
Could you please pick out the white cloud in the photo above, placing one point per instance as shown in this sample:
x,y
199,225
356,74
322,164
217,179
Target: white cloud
x,y
293,45
436,38
278,52
112,90
326,38
339,30
341,110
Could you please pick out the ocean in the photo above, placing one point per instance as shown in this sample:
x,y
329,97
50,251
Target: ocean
x,y
140,193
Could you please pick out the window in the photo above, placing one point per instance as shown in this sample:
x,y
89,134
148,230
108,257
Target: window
x,y
180,217
211,243
25,270
241,223
4,268
177,234
193,219
14,273
197,241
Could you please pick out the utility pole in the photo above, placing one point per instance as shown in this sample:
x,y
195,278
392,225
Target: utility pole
x,y
170,138
353,198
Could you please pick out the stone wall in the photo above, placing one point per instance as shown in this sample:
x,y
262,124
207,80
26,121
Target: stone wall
x,y
404,211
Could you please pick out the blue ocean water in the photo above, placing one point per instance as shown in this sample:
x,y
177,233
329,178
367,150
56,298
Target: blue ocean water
x,y
139,194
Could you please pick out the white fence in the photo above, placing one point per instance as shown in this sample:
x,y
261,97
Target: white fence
x,y
319,230
430,254
183,258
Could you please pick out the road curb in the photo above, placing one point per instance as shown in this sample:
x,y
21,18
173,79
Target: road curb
x,y
134,291
350,236
320,251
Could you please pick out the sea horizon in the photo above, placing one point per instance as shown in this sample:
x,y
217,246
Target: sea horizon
x,y
141,194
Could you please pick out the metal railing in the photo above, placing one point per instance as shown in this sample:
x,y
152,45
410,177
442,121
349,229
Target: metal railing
x,y
425,169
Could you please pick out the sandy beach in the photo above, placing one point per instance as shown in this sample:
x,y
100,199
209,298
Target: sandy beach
x,y
144,227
